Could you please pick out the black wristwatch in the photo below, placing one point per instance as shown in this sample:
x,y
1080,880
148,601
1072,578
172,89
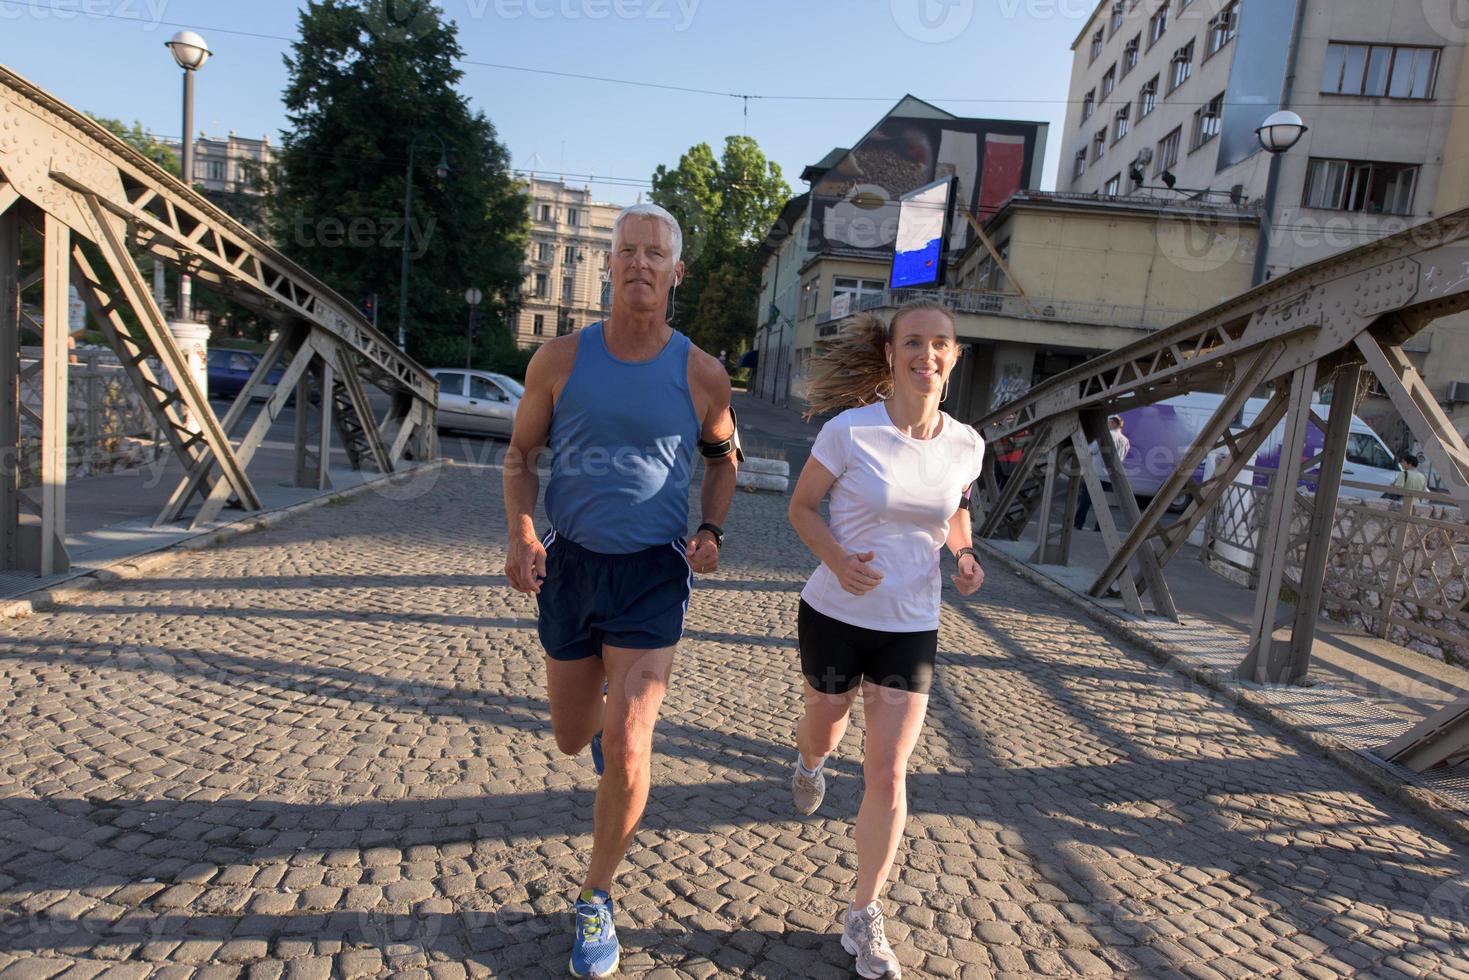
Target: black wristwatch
x,y
966,551
715,530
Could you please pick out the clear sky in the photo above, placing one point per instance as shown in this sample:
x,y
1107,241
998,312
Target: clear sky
x,y
1007,58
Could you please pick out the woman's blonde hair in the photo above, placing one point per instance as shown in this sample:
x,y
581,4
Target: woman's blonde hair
x,y
854,370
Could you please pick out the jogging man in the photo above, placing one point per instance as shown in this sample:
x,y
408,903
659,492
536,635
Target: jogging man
x,y
622,404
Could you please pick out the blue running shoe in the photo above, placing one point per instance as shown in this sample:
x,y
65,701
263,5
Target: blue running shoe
x,y
594,949
598,763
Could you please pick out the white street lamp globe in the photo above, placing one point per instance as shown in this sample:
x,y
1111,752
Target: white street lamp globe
x,y
472,296
1281,131
189,50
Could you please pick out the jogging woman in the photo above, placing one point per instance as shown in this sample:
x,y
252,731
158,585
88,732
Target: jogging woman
x,y
898,471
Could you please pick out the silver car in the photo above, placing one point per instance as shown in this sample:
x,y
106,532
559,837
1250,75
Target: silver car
x,y
477,401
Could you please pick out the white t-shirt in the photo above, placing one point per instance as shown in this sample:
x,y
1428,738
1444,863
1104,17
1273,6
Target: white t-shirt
x,y
893,496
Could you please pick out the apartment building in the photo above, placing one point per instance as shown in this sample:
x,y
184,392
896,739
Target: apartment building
x,y
831,248
1165,97
231,164
566,269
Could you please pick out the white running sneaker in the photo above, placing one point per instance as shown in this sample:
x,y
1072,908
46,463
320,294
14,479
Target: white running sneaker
x,y
863,937
807,791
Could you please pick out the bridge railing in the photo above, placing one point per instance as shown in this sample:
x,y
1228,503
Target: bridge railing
x,y
108,425
1396,569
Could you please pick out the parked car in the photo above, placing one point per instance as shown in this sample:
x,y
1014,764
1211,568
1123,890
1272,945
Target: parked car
x,y
477,401
1162,433
230,369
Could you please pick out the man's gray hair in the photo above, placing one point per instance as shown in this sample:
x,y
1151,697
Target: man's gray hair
x,y
651,210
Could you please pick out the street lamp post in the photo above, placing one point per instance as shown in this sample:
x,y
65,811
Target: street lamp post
x,y
472,296
1277,134
190,52
442,171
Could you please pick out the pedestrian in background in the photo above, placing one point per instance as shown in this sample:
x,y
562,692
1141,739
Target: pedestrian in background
x,y
1123,445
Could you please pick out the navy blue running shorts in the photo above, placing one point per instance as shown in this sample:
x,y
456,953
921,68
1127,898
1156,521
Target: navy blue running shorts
x,y
637,601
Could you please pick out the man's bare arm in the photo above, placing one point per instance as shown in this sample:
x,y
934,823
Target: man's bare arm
x,y
525,564
718,489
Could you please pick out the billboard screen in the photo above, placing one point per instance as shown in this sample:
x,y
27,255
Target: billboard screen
x,y
924,220
854,208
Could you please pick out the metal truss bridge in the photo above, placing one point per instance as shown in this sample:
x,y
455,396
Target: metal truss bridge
x,y
78,207
1321,324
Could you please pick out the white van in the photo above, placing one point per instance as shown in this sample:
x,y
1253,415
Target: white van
x,y
1161,434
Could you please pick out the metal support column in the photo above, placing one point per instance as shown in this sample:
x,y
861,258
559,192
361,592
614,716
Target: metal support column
x,y
9,388
1110,537
56,259
1266,662
1094,424
1323,518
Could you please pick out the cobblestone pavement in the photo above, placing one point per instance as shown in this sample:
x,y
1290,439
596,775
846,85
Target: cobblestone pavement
x,y
324,748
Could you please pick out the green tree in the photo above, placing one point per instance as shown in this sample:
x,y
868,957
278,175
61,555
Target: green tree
x,y
724,205
144,142
368,80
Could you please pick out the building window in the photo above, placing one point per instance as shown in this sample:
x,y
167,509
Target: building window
x,y
1206,121
573,217
858,289
1380,70
543,286
569,256
808,297
1088,105
1097,40
568,290
1157,25
1168,148
1114,186
545,214
1116,17
1147,99
214,170
1352,185
988,274
538,326
1130,54
546,252
1181,68
1123,121
1078,167
1223,27
1109,82
1099,145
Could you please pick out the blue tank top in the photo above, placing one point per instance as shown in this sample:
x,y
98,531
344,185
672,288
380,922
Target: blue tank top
x,y
622,448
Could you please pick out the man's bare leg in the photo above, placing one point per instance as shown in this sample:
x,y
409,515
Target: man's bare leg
x,y
574,688
637,680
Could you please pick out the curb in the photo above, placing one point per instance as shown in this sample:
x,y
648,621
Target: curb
x,y
1425,803
143,564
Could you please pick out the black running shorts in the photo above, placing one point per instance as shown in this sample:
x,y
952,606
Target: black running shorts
x,y
837,656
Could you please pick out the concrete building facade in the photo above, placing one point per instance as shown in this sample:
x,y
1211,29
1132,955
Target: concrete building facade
x,y
231,164
1170,92
566,267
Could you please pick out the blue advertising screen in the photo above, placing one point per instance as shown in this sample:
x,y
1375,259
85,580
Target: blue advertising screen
x,y
923,223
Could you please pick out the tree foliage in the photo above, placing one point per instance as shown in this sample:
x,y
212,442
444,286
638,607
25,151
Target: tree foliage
x,y
724,204
144,142
371,83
